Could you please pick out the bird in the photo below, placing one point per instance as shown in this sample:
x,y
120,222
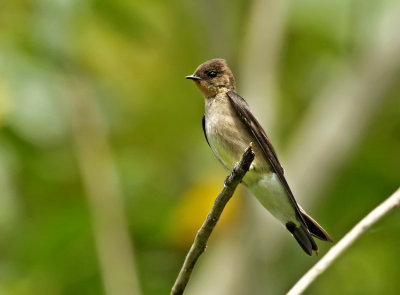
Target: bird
x,y
230,127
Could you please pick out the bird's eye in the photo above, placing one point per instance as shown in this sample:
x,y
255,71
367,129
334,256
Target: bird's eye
x,y
212,74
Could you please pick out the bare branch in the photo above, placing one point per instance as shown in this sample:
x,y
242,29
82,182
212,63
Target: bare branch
x,y
390,203
201,239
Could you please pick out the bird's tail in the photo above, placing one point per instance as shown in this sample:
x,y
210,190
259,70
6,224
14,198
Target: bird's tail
x,y
303,237
305,232
314,228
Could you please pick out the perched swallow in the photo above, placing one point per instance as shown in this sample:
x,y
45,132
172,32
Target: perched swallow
x,y
229,127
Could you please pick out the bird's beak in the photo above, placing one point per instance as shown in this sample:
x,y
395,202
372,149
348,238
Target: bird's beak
x,y
193,77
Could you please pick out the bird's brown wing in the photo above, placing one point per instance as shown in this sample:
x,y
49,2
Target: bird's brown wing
x,y
203,123
242,109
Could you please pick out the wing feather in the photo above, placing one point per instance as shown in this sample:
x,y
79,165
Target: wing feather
x,y
203,123
242,109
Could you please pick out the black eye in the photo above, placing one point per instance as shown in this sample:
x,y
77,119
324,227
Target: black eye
x,y
212,74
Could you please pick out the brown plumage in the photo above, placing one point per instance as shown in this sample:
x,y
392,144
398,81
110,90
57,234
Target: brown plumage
x,y
229,127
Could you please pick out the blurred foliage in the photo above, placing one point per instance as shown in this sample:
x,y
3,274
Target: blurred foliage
x,y
134,55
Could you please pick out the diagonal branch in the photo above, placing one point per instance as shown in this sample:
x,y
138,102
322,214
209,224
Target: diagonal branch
x,y
390,203
201,239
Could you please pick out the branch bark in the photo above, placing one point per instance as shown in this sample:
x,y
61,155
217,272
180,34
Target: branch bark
x,y
390,203
201,239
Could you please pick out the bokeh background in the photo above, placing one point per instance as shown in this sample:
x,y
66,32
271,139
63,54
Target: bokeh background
x,y
105,175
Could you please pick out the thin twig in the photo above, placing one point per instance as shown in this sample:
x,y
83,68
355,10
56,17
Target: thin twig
x,y
200,241
390,203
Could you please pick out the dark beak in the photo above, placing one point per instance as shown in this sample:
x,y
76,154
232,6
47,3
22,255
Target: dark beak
x,y
193,77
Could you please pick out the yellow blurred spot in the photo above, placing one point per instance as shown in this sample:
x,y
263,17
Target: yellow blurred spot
x,y
196,203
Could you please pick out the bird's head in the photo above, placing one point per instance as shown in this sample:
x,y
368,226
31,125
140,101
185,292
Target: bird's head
x,y
212,77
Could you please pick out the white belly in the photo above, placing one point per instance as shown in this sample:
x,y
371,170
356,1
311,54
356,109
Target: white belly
x,y
273,196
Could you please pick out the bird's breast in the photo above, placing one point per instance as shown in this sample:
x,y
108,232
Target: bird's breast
x,y
227,135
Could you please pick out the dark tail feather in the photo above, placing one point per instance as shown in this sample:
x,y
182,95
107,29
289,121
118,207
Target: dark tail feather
x,y
303,237
304,233
314,228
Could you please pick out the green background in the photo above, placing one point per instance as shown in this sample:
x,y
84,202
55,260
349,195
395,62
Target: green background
x,y
99,128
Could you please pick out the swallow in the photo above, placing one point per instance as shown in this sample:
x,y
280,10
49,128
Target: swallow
x,y
229,127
